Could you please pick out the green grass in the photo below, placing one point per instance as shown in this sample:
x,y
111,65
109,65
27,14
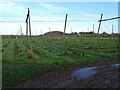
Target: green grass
x,y
49,55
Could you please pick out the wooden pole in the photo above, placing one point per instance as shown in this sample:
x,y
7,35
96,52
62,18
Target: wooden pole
x,y
112,28
93,28
29,24
29,44
99,29
41,31
93,37
93,31
26,28
65,23
65,51
112,31
99,23
30,34
26,34
49,29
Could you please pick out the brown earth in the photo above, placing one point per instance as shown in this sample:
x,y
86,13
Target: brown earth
x,y
106,77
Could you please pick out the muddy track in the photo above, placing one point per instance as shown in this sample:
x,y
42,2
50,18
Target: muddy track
x,y
106,77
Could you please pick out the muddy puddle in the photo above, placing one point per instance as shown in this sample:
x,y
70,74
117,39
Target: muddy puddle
x,y
116,65
86,73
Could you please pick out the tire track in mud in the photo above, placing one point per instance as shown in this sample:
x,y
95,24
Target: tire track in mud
x,y
106,77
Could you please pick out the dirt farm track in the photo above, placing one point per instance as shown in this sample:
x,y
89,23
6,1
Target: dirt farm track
x,y
106,76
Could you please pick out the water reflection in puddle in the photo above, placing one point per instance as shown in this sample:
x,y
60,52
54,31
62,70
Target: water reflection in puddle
x,y
84,73
116,65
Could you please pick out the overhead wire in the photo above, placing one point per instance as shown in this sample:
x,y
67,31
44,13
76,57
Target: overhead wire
x,y
4,21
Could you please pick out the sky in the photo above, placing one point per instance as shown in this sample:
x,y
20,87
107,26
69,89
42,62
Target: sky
x,y
81,16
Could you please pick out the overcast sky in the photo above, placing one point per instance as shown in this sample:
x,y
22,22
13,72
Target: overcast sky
x,y
81,16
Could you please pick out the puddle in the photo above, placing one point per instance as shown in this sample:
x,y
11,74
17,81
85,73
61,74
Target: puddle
x,y
116,65
84,73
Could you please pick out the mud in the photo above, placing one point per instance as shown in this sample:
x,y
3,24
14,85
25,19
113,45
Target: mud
x,y
102,74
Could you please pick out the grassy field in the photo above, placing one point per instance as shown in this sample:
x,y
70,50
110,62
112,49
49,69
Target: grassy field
x,y
51,54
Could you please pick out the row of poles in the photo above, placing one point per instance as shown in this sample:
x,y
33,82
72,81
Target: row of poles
x,y
28,38
28,26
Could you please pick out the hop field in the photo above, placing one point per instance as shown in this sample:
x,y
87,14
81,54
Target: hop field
x,y
52,54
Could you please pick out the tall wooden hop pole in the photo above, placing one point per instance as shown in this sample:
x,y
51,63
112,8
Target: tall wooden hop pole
x,y
65,43
28,37
99,23
65,23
